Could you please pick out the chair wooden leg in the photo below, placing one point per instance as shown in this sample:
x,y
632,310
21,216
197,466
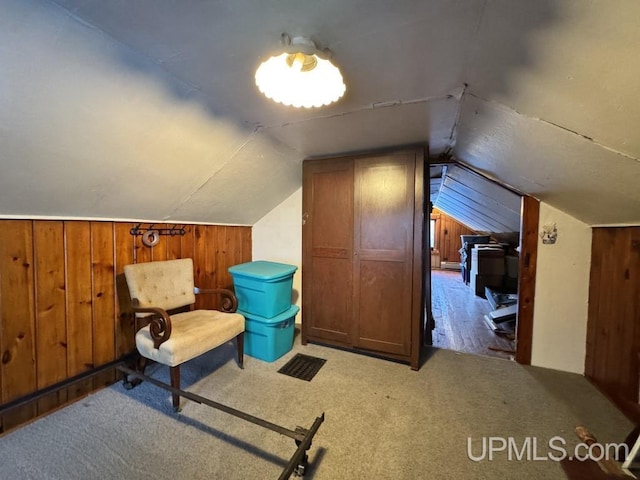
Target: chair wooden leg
x,y
240,347
139,366
175,383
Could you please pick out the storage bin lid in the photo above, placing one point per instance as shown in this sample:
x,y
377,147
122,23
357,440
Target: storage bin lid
x,y
284,316
263,270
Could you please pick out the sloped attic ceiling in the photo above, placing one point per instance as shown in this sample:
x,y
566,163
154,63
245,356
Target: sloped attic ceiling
x,y
478,203
147,109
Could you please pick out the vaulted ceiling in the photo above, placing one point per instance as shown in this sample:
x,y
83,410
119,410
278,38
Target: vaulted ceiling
x,y
147,109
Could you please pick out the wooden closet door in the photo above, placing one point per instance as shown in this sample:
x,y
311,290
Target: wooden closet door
x,y
327,237
383,252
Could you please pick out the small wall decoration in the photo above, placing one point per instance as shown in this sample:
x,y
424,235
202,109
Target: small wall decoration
x,y
150,238
549,234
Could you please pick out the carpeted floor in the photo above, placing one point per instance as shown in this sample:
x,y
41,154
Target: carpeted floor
x,y
383,421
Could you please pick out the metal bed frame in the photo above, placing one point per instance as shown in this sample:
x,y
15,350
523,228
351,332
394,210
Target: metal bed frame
x,y
297,464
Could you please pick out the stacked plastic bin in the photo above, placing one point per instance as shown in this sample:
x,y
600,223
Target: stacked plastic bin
x,y
264,299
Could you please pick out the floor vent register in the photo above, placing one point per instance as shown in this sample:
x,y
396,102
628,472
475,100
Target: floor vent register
x,y
302,366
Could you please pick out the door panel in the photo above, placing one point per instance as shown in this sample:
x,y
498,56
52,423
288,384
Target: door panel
x,y
383,252
385,193
327,237
384,315
332,210
331,309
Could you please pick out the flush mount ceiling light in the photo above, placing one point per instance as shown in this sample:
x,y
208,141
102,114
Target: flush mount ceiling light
x,y
302,76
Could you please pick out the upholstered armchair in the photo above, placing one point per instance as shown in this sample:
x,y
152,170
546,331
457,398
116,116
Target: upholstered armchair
x,y
168,328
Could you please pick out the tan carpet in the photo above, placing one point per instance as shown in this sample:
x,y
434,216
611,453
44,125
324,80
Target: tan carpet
x,y
383,421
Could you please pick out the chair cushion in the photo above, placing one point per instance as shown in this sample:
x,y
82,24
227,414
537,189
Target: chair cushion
x,y
167,284
192,333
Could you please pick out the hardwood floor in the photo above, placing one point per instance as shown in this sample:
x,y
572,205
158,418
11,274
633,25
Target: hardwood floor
x,y
459,318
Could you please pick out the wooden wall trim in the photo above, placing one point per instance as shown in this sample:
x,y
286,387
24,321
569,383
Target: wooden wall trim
x,y
527,278
417,312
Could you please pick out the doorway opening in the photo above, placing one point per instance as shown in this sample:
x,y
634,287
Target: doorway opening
x,y
473,275
463,301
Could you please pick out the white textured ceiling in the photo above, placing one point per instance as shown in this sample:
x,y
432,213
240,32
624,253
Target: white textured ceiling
x,y
147,109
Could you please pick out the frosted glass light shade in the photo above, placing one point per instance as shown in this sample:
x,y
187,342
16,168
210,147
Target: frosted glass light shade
x,y
300,80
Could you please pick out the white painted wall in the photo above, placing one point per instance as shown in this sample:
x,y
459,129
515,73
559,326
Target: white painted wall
x,y
277,237
562,294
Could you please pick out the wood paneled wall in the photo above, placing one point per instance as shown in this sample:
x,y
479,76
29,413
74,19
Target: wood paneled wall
x,y
447,238
613,328
64,302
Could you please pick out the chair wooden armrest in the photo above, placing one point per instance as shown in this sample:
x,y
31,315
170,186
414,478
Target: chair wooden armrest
x,y
159,324
229,300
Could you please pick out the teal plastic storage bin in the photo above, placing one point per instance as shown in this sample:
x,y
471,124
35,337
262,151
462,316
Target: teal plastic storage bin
x,y
269,338
263,288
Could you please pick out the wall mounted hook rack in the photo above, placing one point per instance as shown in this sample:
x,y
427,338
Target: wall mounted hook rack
x,y
139,229
151,234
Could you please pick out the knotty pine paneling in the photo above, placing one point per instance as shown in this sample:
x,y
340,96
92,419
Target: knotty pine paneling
x,y
79,306
17,318
613,327
103,299
79,296
64,302
124,255
447,236
51,309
